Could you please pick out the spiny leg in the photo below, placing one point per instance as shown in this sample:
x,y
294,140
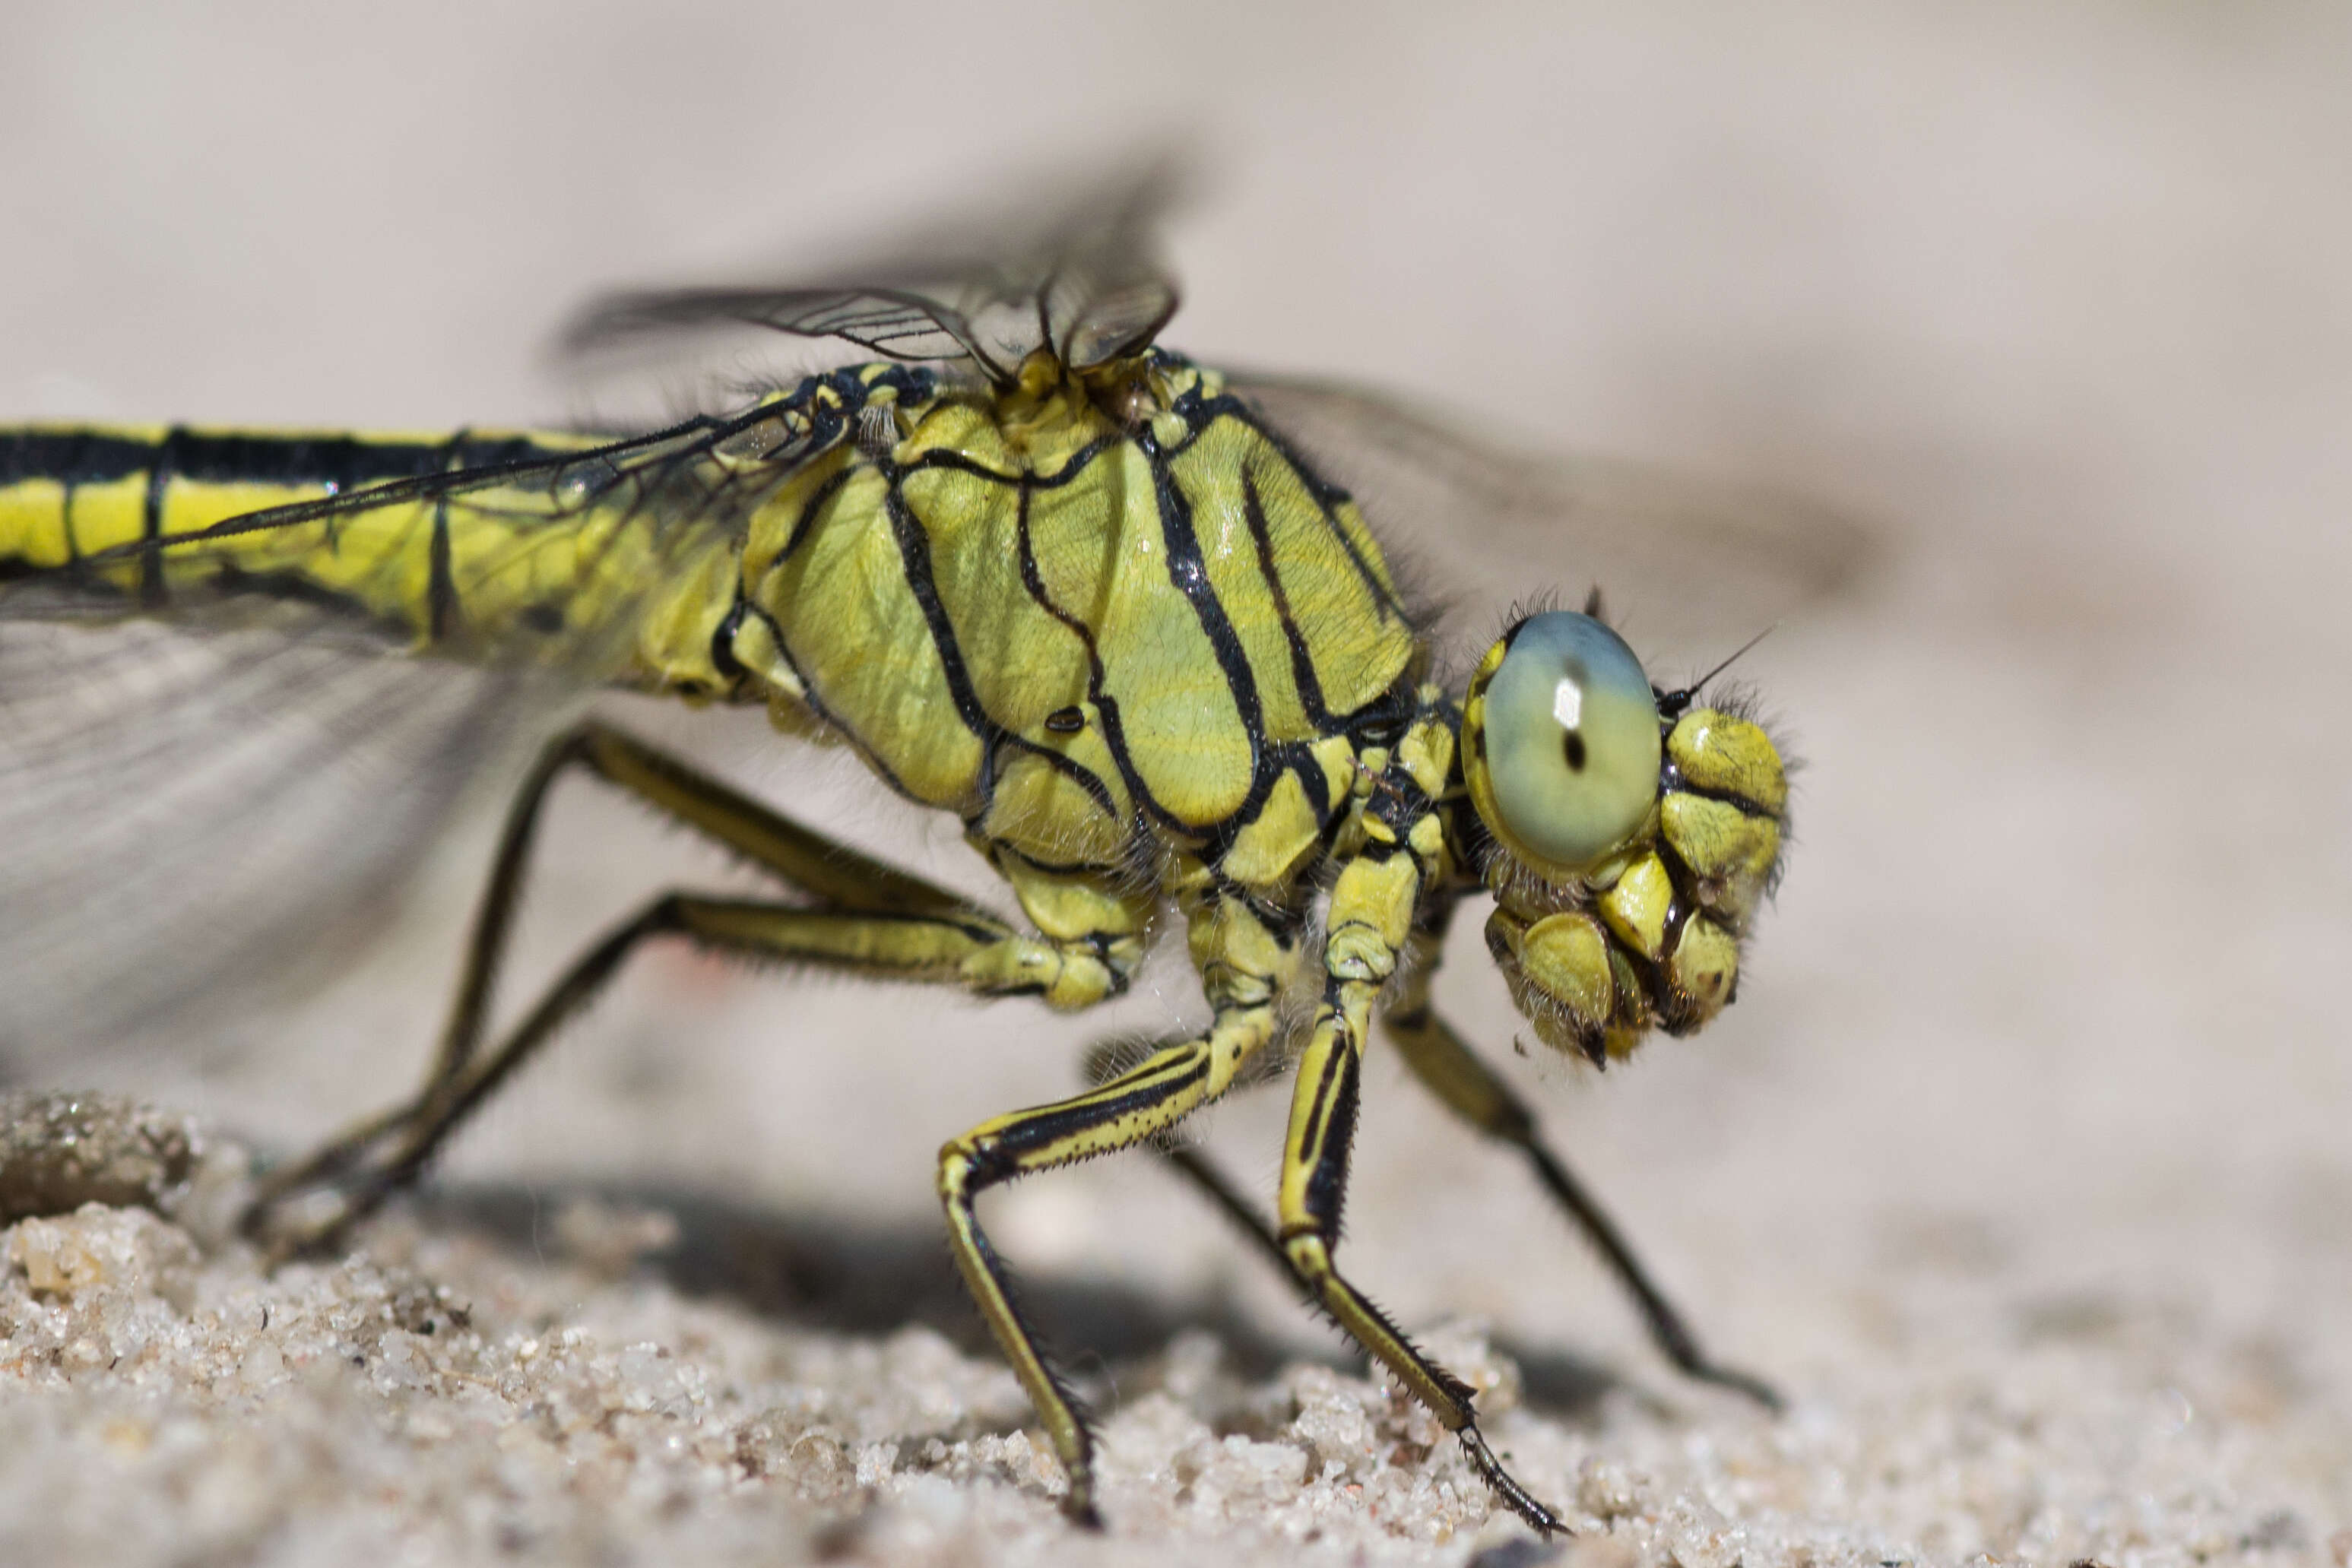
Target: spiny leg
x,y
1372,909
1314,1191
827,870
1131,1108
996,959
980,953
1103,1064
1382,1339
1471,1089
485,946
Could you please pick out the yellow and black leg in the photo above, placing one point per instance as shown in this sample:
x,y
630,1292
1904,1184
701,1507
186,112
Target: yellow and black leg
x,y
874,921
1134,1107
1370,919
1314,1190
1105,1062
1495,1110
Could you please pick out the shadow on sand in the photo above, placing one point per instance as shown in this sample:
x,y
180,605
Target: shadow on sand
x,y
857,1276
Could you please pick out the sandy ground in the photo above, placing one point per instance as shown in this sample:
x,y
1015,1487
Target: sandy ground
x,y
2021,1165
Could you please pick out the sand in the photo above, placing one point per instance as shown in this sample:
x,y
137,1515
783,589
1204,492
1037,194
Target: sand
x,y
439,1396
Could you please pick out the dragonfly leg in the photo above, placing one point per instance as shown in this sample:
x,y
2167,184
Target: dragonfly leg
x,y
1369,932
1303,1248
1472,1091
1133,1108
1104,1062
1314,1191
485,946
974,951
873,919
807,860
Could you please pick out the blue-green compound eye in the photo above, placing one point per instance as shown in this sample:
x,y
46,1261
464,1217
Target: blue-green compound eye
x,y
1563,742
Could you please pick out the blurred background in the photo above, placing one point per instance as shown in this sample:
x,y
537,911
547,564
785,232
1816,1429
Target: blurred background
x,y
2057,302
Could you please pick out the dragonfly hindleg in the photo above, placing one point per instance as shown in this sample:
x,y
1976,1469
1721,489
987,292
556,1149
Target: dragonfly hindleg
x,y
872,920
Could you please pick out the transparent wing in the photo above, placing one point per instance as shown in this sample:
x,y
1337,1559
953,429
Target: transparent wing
x,y
897,324
216,796
1688,566
1080,277
194,815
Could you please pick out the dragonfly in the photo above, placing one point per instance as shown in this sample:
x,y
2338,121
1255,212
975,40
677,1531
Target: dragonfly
x,y
1128,617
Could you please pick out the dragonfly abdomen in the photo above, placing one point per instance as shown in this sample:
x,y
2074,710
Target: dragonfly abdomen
x,y
137,514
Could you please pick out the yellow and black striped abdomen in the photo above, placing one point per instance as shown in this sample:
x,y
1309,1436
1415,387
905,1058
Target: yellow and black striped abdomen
x,y
78,504
1059,625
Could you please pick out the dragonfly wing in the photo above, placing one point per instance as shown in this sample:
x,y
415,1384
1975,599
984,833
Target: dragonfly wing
x,y
1686,565
897,324
193,811
1081,276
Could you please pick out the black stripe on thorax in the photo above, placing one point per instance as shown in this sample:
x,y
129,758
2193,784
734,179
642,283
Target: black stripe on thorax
x,y
813,508
1302,660
915,554
809,699
1079,461
915,559
1033,582
1189,571
722,641
1076,773
1327,496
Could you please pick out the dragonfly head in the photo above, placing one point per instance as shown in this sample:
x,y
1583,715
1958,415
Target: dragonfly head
x,y
1633,835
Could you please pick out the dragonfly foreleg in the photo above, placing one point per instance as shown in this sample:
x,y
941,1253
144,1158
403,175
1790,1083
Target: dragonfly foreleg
x,y
1369,926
